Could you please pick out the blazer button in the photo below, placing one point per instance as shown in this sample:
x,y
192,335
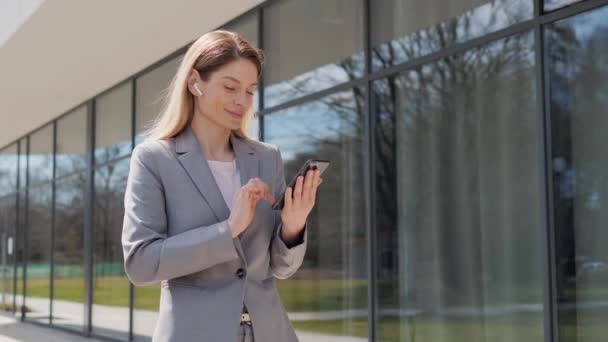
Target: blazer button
x,y
240,273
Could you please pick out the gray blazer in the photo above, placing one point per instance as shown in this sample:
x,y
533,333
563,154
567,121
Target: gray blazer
x,y
175,232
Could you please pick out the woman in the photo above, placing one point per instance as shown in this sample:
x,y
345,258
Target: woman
x,y
198,216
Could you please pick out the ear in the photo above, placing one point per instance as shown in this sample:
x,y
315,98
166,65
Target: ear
x,y
193,78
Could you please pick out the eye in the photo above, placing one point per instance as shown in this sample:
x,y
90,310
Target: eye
x,y
228,88
250,93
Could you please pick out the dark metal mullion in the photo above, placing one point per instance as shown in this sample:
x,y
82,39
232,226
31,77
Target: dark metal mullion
x,y
42,183
6,196
544,176
538,8
261,92
110,162
133,110
571,10
316,96
551,316
546,260
15,248
88,220
133,132
369,179
52,256
71,174
16,228
25,227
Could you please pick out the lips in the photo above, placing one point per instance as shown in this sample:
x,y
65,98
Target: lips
x,y
236,114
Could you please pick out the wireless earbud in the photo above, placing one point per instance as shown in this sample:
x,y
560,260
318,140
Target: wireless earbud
x,y
198,90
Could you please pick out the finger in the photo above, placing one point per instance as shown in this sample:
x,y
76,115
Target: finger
x,y
251,191
259,183
316,181
265,195
288,200
297,193
308,193
263,187
269,198
255,186
252,200
315,184
249,198
254,194
252,185
259,196
249,187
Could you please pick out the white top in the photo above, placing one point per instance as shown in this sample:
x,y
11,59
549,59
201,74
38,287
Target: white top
x,y
227,177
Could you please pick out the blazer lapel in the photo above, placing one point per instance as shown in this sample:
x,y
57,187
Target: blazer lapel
x,y
247,163
195,163
246,159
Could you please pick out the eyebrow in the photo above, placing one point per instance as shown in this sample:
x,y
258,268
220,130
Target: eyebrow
x,y
237,81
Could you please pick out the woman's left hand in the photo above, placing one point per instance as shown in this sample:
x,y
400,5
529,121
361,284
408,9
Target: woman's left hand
x,y
298,206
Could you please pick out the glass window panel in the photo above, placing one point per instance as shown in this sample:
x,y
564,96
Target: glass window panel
x,y
71,142
8,230
551,5
8,170
41,156
254,128
110,284
310,46
577,48
150,89
246,26
403,30
331,285
38,270
113,120
459,222
146,303
145,312
68,280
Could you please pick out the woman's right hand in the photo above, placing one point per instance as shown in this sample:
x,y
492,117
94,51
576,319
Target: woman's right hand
x,y
244,204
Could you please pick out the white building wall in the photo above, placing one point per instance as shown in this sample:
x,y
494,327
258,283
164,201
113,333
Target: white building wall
x,y
68,51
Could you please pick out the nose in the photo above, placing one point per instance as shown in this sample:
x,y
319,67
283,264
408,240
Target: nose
x,y
241,99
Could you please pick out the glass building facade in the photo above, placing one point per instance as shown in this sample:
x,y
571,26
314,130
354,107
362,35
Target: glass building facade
x,y
464,199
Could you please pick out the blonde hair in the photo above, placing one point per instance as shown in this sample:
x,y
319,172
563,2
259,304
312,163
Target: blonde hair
x,y
208,53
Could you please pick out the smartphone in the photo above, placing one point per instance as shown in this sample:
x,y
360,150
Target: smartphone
x,y
310,164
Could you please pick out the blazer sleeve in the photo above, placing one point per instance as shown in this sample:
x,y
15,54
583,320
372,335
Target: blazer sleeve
x,y
284,261
149,255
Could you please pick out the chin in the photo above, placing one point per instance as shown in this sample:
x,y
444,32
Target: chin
x,y
236,122
234,127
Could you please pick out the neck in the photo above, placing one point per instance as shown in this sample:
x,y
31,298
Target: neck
x,y
213,139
